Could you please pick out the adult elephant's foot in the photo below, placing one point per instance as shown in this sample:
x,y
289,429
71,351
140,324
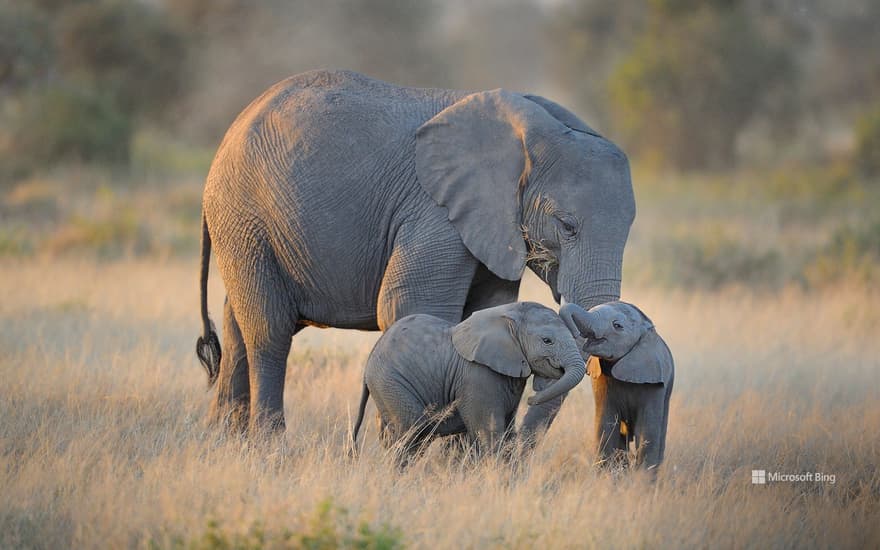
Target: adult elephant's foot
x,y
233,418
267,425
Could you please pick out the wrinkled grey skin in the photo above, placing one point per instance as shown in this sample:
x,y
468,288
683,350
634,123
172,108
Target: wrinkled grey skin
x,y
430,378
336,200
635,382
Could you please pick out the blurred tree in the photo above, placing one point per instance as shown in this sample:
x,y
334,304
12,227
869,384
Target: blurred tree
x,y
693,80
63,123
867,155
845,69
25,46
589,38
78,77
494,44
126,50
244,47
202,18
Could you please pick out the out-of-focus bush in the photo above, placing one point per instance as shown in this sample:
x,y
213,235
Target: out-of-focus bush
x,y
867,155
694,79
853,251
713,259
25,45
68,124
819,184
330,527
127,50
76,78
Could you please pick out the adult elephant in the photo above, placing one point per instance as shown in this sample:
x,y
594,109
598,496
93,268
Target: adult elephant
x,y
337,200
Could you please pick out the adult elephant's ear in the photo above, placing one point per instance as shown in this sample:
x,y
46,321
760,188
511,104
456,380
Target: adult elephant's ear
x,y
649,362
472,159
562,114
488,337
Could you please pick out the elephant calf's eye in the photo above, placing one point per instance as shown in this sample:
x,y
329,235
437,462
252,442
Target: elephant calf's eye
x,y
617,325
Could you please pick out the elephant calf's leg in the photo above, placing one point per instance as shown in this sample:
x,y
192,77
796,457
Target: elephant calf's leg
x,y
650,433
232,400
612,444
538,418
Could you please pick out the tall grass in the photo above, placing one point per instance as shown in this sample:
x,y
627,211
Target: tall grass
x,y
103,441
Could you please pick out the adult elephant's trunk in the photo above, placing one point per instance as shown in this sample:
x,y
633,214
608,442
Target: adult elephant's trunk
x,y
591,279
574,369
577,319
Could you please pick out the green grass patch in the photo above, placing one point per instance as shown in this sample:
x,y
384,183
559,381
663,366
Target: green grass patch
x,y
331,527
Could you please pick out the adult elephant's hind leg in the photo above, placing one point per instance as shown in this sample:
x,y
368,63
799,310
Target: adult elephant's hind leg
x,y
267,318
231,403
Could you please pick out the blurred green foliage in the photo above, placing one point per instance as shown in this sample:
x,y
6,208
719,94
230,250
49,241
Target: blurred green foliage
x,y
128,50
852,252
721,84
680,84
713,259
59,123
329,528
693,80
76,78
868,143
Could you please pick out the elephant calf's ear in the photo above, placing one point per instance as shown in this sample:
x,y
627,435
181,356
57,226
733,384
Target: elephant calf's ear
x,y
649,362
487,337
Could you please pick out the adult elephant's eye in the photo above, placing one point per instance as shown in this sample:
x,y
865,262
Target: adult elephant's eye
x,y
548,341
568,226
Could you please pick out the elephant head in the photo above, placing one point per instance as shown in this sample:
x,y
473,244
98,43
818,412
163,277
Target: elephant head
x,y
526,183
520,339
623,337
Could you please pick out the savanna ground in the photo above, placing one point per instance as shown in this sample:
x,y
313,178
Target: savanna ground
x,y
764,286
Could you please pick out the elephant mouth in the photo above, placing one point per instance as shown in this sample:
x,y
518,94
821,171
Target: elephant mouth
x,y
593,342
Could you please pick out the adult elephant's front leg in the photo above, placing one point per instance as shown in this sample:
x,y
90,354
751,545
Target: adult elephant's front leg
x,y
232,401
488,290
425,276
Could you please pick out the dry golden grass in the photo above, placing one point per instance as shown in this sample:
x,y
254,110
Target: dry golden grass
x,y
103,441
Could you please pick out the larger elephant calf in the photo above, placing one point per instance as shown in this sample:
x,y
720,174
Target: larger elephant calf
x,y
430,378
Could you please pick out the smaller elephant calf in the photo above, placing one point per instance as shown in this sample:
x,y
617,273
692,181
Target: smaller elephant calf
x,y
430,378
632,372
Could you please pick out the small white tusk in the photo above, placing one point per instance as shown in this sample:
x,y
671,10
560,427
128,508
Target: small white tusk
x,y
562,300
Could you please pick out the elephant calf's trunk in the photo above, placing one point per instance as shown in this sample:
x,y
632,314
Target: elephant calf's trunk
x,y
574,373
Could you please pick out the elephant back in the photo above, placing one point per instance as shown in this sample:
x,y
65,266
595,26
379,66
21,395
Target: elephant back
x,y
418,349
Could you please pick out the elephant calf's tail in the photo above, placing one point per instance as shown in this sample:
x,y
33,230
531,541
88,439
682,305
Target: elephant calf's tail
x,y
208,345
365,395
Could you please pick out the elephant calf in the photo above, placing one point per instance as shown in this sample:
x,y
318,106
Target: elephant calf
x,y
632,373
432,378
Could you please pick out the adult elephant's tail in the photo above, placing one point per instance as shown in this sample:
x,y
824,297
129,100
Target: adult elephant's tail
x,y
208,345
365,395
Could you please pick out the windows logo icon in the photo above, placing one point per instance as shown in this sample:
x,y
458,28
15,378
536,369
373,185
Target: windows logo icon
x,y
759,477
